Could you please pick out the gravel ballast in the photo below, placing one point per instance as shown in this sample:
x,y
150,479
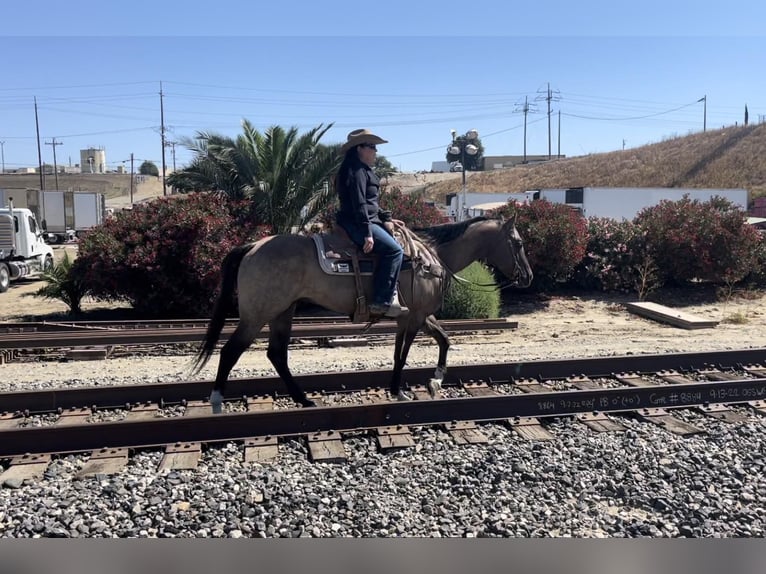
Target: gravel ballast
x,y
644,482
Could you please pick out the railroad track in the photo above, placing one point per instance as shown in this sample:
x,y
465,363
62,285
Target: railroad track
x,y
88,334
175,416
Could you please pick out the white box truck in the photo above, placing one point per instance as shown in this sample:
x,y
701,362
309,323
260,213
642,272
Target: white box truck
x,y
23,251
626,202
62,214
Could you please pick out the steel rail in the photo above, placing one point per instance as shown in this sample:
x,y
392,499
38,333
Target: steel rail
x,y
50,400
239,426
86,338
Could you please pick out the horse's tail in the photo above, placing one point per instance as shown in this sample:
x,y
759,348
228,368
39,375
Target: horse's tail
x,y
229,270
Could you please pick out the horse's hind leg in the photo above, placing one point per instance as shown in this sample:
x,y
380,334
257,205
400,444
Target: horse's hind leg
x,y
433,328
237,344
279,338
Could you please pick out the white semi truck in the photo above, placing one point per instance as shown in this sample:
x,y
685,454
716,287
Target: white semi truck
x,y
23,250
63,214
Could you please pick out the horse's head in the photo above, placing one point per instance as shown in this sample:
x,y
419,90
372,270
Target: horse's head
x,y
508,256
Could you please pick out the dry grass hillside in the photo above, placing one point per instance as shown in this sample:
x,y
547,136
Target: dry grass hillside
x,y
733,157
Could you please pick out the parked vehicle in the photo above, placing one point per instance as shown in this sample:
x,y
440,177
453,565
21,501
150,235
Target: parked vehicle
x,y
456,166
64,214
23,251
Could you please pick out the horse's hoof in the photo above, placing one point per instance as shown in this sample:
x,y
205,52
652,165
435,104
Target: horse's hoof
x,y
434,386
404,396
216,402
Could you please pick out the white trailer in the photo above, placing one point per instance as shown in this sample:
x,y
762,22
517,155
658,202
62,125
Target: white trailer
x,y
626,202
23,251
62,214
477,203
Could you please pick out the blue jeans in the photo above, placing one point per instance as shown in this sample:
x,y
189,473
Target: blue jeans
x,y
389,260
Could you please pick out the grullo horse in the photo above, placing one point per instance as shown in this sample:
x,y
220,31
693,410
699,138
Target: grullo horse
x,y
274,273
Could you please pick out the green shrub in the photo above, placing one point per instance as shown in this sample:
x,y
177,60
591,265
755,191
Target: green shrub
x,y
63,285
463,301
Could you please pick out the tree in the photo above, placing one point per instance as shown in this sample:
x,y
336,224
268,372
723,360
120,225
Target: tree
x,y
148,168
384,168
285,175
472,162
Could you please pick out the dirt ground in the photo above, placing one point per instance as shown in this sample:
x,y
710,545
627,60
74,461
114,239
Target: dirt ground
x,y
558,326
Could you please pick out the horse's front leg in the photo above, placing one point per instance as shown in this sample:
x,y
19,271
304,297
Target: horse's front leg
x,y
405,335
434,328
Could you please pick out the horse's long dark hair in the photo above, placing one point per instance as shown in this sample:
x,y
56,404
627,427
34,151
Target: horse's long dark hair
x,y
446,232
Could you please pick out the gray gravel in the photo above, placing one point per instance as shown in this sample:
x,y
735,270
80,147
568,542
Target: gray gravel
x,y
641,483
644,482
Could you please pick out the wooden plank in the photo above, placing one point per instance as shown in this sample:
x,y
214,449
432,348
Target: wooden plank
x,y
142,412
663,418
262,449
600,422
634,380
10,421
326,446
181,456
671,316
197,409
73,417
530,428
26,467
465,432
674,378
531,386
723,413
583,383
479,389
389,437
394,437
104,461
88,353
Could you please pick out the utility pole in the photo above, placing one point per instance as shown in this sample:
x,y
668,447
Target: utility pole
x,y
526,109
131,180
54,143
549,97
39,152
559,136
162,136
173,153
704,112
2,155
623,144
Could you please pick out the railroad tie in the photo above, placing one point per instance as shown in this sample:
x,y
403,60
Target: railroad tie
x,y
264,449
596,421
185,455
388,437
528,428
325,446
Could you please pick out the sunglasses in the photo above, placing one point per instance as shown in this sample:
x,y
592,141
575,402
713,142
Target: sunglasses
x,y
369,146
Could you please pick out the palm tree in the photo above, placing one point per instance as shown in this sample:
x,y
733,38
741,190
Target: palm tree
x,y
285,174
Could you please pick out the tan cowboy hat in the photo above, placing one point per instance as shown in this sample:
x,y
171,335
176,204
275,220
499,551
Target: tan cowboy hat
x,y
361,136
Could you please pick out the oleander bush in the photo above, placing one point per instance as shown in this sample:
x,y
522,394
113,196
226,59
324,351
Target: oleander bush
x,y
164,257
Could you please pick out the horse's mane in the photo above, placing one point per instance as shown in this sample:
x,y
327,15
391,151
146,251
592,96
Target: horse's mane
x,y
446,232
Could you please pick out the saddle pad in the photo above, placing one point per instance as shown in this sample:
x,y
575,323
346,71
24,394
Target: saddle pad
x,y
342,265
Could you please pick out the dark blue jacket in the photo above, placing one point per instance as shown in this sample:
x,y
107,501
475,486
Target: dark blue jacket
x,y
359,193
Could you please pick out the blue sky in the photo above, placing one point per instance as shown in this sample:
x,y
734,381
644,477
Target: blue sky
x,y
620,75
